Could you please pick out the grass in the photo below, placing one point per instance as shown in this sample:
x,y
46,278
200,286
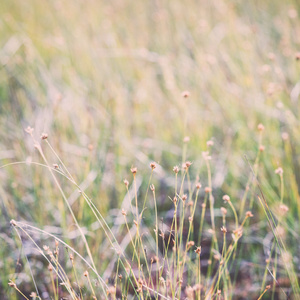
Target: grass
x,y
209,86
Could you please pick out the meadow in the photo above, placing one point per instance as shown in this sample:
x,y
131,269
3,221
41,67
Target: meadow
x,y
149,149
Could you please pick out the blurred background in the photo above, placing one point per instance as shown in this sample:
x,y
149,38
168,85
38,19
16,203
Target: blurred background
x,y
104,80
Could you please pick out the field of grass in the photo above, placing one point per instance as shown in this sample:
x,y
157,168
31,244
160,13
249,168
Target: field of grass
x,y
149,149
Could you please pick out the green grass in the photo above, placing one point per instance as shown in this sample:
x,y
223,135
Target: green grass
x,y
105,81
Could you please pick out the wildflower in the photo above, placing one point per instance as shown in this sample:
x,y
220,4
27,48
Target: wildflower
x,y
198,250
249,214
29,130
185,94
184,197
133,170
209,143
284,209
223,229
124,213
176,169
224,211
226,198
207,189
260,127
44,136
186,139
86,274
198,186
126,182
261,148
55,166
279,171
153,165
190,244
152,187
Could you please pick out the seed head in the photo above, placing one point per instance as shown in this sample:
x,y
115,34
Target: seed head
x,y
184,197
249,214
268,287
186,139
152,187
223,229
284,209
176,169
12,284
285,136
279,171
209,143
50,267
198,250
126,182
226,198
260,127
44,136
86,274
185,94
55,166
186,165
133,170
224,211
261,148
207,190
190,219
198,186
190,244
29,130
153,165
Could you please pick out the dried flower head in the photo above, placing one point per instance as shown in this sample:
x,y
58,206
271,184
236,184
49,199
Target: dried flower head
x,y
50,267
198,186
126,182
261,148
33,295
209,143
44,136
223,229
176,169
190,244
190,219
285,136
152,187
186,139
279,171
284,209
86,274
175,200
29,130
185,94
133,170
186,165
184,197
12,284
249,214
13,222
226,198
198,250
55,166
190,203
111,290
224,211
153,165
207,189
260,127
268,287
124,213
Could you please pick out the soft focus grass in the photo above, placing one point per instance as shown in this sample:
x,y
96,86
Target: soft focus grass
x,y
104,80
